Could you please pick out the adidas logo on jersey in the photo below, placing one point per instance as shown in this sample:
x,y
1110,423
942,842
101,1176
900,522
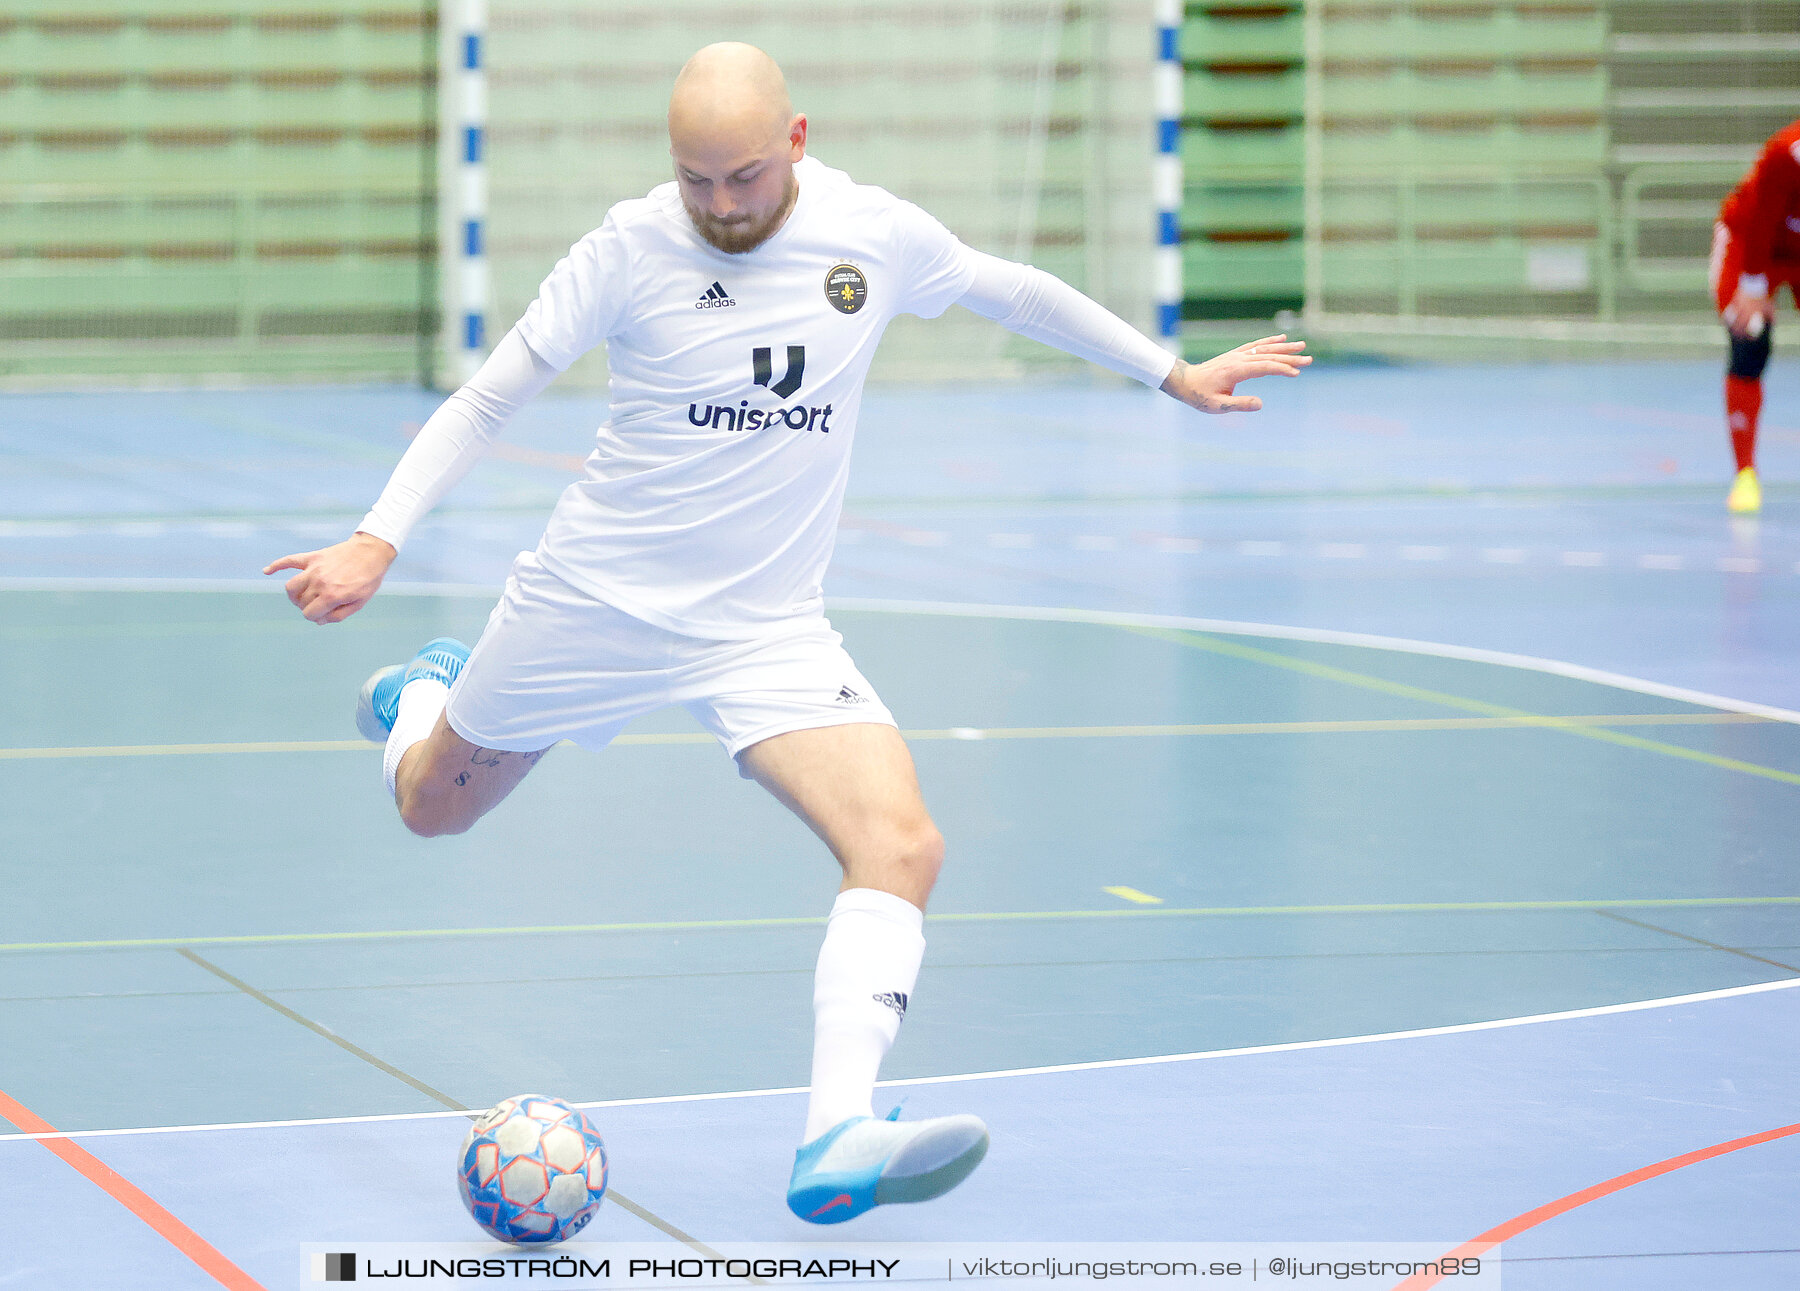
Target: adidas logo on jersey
x,y
895,1000
715,298
847,696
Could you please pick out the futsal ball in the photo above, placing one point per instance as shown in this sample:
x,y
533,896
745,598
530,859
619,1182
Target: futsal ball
x,y
533,1170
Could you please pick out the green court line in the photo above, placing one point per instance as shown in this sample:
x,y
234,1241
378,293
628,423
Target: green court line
x,y
1740,951
436,1095
348,1046
1355,726
1572,726
994,916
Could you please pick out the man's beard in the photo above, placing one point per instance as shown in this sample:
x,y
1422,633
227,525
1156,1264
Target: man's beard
x,y
735,237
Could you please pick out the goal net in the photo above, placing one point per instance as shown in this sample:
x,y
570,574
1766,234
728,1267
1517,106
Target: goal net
x,y
1023,126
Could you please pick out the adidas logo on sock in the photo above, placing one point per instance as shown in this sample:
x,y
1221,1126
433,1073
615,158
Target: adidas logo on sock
x,y
715,298
895,1000
847,696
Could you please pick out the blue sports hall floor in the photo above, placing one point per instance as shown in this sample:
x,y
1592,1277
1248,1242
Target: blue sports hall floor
x,y
1372,819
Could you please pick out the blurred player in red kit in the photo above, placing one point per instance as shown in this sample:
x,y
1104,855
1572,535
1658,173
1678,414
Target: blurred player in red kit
x,y
1756,248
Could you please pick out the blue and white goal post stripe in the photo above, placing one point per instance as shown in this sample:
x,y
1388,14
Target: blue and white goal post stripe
x,y
1166,176
463,279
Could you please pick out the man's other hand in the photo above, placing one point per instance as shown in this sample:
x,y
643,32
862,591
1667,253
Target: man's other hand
x,y
335,582
1209,386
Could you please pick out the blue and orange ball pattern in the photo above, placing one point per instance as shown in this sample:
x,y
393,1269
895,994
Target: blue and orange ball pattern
x,y
533,1170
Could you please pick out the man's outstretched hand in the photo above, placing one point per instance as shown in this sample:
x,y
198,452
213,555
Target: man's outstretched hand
x,y
335,582
1208,386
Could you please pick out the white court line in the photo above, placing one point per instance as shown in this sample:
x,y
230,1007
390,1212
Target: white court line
x,y
1035,613
273,583
1040,614
1296,1046
1323,636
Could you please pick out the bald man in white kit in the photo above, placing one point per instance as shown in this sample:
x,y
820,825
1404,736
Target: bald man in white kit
x,y
740,306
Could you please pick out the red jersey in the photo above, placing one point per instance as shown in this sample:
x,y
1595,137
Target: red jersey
x,y
1763,211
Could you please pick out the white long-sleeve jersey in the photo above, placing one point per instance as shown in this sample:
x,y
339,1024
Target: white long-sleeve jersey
x,y
710,503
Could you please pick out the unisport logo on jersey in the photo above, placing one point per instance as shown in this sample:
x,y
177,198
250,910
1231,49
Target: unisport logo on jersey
x,y
722,416
763,368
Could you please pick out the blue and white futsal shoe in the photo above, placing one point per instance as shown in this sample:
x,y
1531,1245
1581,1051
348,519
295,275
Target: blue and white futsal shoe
x,y
862,1163
379,702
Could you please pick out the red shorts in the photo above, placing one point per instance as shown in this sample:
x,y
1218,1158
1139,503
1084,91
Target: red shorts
x,y
1728,263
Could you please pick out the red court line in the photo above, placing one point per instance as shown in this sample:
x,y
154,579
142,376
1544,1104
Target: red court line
x,y
133,1198
1550,1210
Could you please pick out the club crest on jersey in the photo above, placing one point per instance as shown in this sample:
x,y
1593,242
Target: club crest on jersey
x,y
846,288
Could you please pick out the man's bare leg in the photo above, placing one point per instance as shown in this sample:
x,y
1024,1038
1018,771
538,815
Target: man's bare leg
x,y
856,788
445,784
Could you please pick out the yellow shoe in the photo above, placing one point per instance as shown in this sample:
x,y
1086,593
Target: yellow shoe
x,y
1746,494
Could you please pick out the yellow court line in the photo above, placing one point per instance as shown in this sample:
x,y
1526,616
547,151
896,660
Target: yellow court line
x,y
165,750
278,746
1573,726
992,916
1132,895
970,733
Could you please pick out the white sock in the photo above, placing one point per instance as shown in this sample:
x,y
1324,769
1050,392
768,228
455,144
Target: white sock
x,y
874,941
421,700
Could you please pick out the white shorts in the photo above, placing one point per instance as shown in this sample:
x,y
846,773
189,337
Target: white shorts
x,y
555,664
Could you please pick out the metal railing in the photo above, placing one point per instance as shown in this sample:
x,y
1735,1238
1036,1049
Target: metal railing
x,y
1414,235
231,269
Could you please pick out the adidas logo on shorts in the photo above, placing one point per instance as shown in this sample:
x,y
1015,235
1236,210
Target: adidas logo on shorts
x,y
847,696
895,1000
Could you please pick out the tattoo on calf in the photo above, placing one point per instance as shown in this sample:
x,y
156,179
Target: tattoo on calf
x,y
493,758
